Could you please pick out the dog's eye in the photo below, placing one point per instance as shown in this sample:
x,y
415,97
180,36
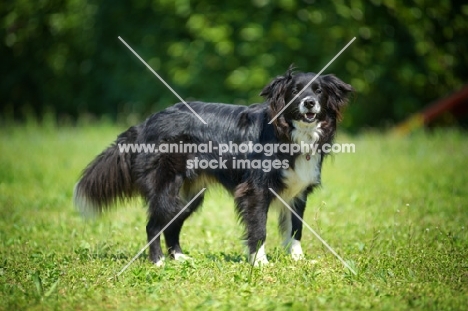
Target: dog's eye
x,y
295,91
318,91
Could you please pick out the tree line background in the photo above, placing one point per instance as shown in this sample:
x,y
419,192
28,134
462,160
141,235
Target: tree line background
x,y
64,57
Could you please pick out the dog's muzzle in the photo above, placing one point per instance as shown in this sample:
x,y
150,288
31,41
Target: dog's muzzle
x,y
309,108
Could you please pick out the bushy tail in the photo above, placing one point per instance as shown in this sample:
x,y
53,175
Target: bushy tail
x,y
107,179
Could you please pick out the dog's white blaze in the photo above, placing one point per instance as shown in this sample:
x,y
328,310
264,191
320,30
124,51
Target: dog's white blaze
x,y
259,257
303,109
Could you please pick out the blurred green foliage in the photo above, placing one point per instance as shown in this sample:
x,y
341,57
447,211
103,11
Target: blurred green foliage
x,y
64,55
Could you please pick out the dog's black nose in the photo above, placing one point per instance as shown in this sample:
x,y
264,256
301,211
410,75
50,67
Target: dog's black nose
x,y
309,103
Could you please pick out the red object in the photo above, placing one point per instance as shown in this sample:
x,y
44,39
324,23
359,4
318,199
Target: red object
x,y
457,104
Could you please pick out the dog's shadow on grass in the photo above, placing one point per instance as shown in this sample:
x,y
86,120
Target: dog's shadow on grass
x,y
108,252
123,256
225,257
118,256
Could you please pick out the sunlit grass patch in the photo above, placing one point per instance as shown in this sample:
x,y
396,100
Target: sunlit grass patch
x,y
396,210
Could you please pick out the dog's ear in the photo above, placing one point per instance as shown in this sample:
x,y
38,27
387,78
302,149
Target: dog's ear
x,y
275,93
337,92
279,82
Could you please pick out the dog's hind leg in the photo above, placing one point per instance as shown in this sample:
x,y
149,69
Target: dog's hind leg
x,y
164,205
172,233
153,228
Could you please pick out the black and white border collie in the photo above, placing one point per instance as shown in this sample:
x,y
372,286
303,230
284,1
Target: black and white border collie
x,y
167,183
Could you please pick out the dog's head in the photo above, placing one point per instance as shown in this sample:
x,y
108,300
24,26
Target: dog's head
x,y
319,101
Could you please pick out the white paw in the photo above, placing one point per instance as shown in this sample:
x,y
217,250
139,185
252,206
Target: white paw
x,y
297,257
295,250
259,257
259,261
160,262
181,257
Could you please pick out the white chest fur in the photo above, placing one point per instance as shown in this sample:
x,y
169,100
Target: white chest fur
x,y
305,173
306,170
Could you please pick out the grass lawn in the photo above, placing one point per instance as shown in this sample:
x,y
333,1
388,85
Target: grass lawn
x,y
396,210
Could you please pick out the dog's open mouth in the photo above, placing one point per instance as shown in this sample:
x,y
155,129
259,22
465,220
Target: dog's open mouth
x,y
309,116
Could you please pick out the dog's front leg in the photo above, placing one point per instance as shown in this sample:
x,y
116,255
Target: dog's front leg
x,y
294,244
256,235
